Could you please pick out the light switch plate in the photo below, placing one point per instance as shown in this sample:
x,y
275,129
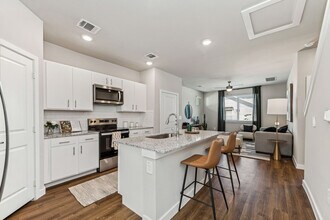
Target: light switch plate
x,y
313,122
327,116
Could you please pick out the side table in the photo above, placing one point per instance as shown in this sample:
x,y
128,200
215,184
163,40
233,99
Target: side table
x,y
277,150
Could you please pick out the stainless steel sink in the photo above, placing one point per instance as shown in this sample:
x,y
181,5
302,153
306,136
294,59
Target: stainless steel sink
x,y
162,136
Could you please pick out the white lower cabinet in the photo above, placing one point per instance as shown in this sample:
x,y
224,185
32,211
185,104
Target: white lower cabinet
x,y
70,156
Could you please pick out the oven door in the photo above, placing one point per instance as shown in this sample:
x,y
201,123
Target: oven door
x,y
106,148
108,95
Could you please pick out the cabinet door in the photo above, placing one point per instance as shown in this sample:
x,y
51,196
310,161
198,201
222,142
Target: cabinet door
x,y
128,88
58,80
115,82
140,97
82,90
88,156
64,161
100,79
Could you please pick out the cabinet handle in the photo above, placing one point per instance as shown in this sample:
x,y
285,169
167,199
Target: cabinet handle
x,y
74,151
2,142
147,132
89,139
106,81
75,103
68,103
132,107
81,149
135,107
111,81
64,142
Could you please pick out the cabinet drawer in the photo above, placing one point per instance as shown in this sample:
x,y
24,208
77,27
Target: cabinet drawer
x,y
63,141
88,138
147,131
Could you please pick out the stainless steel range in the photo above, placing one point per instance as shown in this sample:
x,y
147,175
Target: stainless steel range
x,y
107,128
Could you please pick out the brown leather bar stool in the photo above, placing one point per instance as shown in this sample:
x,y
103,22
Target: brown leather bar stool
x,y
228,150
205,162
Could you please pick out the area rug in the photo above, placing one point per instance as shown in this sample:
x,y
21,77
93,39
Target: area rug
x,y
248,150
93,190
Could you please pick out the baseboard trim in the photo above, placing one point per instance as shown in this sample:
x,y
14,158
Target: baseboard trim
x,y
311,199
297,165
57,182
40,193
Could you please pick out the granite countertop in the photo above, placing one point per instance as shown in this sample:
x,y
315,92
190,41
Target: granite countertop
x,y
59,135
167,145
140,128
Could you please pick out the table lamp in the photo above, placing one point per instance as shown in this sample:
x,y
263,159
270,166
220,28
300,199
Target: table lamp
x,y
277,107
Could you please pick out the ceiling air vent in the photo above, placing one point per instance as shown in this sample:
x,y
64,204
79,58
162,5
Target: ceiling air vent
x,y
151,56
88,26
270,79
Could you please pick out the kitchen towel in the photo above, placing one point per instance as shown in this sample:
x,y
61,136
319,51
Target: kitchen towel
x,y
115,137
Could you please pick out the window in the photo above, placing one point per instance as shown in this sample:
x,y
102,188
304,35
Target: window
x,y
239,107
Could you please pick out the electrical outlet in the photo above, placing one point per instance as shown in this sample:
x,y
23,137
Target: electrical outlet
x,y
149,168
328,199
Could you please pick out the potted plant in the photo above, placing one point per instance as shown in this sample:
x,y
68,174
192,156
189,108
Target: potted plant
x,y
50,126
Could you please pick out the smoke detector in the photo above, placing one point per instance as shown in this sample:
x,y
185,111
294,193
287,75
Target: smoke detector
x,y
88,26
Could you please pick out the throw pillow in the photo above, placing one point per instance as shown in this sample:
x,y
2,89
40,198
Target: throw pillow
x,y
283,129
270,129
248,128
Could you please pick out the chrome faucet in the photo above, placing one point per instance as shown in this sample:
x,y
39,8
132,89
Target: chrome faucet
x,y
176,123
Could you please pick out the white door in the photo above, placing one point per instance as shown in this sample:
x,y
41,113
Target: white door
x,y
140,97
88,156
116,82
16,77
100,79
58,86
169,103
64,161
82,90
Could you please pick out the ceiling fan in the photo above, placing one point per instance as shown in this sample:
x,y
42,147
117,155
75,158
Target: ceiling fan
x,y
229,87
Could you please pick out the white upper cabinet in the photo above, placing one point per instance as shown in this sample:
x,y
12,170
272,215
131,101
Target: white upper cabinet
x,y
58,89
67,88
106,80
135,97
82,90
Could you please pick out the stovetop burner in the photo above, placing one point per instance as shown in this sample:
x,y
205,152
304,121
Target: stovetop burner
x,y
104,125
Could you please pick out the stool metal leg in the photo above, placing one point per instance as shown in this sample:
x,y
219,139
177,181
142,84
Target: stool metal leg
x,y
223,192
231,176
239,182
183,185
195,181
205,177
211,192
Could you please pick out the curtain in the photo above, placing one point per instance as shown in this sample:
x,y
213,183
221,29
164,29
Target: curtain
x,y
256,119
221,112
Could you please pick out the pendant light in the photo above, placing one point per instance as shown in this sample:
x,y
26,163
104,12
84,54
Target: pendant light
x,y
229,88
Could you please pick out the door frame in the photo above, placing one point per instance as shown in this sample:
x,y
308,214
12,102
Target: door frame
x,y
39,189
160,104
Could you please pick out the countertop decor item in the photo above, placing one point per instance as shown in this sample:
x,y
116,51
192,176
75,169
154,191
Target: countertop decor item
x,y
65,127
188,111
50,126
192,132
75,125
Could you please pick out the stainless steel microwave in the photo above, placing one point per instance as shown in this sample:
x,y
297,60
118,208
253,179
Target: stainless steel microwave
x,y
108,95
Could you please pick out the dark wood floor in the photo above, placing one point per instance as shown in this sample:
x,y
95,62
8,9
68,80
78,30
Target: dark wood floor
x,y
269,190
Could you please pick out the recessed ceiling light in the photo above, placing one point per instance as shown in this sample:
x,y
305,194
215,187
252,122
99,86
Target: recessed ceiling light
x,y
149,63
86,37
206,42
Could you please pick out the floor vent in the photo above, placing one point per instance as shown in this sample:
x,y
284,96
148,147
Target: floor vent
x,y
88,26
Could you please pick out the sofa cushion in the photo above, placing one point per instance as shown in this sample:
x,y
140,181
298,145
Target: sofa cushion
x,y
270,129
248,128
283,129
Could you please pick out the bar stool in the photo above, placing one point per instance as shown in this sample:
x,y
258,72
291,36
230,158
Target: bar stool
x,y
228,151
205,162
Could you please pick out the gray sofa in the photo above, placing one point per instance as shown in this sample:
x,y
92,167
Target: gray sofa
x,y
263,145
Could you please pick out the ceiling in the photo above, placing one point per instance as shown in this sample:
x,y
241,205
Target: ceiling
x,y
174,30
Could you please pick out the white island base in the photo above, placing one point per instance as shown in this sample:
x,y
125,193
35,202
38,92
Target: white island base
x,y
150,182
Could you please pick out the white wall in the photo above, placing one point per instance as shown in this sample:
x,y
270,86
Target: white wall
x,y
302,67
60,54
270,92
211,110
317,139
189,95
157,80
19,26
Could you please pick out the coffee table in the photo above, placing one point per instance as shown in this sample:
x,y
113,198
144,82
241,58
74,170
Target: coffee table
x,y
277,150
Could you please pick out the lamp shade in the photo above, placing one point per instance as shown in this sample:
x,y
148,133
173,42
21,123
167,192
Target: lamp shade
x,y
277,106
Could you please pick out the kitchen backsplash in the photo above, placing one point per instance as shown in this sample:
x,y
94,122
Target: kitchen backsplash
x,y
100,111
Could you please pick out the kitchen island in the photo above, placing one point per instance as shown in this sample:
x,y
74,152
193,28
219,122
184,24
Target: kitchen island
x,y
150,175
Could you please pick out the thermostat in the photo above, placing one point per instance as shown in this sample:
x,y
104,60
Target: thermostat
x,y
327,116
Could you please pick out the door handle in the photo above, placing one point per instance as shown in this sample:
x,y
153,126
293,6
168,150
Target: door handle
x,y
5,168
